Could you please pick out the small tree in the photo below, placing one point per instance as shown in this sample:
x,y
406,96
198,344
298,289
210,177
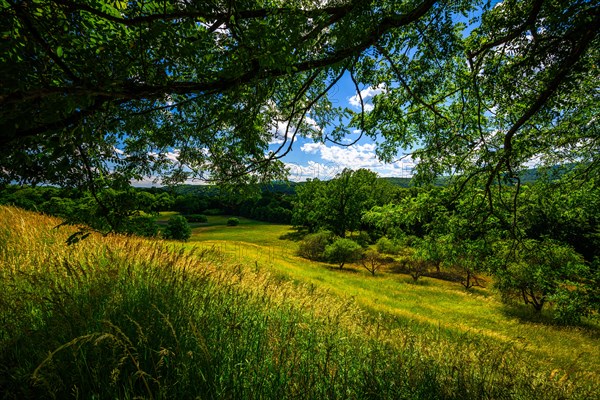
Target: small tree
x,y
372,261
177,228
417,267
538,271
342,251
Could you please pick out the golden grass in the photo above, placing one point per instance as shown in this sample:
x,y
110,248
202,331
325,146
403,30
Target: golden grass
x,y
445,325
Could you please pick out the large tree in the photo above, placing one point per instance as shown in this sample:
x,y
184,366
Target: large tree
x,y
95,91
339,204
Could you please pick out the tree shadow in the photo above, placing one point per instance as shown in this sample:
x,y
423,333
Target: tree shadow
x,y
526,314
295,234
346,269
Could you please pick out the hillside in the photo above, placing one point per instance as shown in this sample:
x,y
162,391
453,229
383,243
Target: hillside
x,y
122,317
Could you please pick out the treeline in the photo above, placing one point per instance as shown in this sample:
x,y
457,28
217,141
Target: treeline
x,y
134,211
540,241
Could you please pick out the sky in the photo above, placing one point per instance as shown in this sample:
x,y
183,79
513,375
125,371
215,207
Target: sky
x,y
308,159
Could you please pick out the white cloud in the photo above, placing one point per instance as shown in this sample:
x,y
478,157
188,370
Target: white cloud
x,y
354,157
278,129
173,155
367,94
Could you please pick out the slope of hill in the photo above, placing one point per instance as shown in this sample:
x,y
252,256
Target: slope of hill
x,y
121,317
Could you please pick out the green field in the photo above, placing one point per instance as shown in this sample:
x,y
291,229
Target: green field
x,y
234,313
433,302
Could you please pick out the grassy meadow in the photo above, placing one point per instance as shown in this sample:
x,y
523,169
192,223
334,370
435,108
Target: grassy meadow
x,y
234,313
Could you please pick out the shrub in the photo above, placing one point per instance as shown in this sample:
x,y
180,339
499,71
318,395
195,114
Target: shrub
x,y
233,221
387,246
177,228
342,251
313,245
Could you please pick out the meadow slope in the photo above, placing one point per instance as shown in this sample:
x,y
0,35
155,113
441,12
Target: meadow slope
x,y
234,314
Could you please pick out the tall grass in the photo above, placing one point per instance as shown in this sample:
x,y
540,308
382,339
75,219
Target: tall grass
x,y
117,317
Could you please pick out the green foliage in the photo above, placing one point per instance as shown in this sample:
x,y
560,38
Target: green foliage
x,y
313,245
177,228
338,205
538,271
233,221
343,251
387,246
213,211
141,226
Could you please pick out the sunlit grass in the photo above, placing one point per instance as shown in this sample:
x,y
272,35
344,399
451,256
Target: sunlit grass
x,y
430,301
118,317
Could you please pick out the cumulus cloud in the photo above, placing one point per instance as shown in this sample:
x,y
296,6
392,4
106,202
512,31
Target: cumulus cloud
x,y
367,96
354,157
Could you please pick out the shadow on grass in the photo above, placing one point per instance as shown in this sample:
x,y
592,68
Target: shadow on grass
x,y
350,270
526,314
296,235
401,268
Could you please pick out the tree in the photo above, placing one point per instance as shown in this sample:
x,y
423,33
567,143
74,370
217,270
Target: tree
x,y
342,251
177,228
99,93
536,271
338,205
372,261
310,205
313,245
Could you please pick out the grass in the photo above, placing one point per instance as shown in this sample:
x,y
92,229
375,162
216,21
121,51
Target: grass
x,y
118,317
430,301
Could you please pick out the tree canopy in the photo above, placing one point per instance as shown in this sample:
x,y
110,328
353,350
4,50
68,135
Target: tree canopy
x,y
96,92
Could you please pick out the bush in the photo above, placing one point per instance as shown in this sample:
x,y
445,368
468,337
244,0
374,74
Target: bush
x,y
233,221
313,245
342,251
196,218
387,246
177,228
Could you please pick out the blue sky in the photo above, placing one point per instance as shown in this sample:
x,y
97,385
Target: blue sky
x,y
308,159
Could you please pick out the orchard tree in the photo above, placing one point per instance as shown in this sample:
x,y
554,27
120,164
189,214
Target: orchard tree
x,y
372,260
540,271
343,251
97,93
